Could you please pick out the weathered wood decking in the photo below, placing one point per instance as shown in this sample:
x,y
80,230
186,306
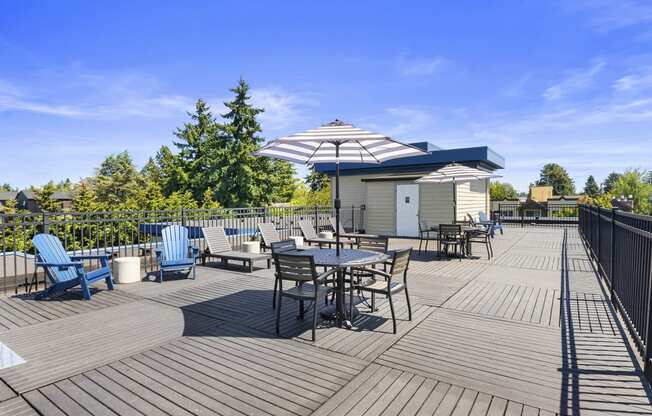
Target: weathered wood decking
x,y
528,333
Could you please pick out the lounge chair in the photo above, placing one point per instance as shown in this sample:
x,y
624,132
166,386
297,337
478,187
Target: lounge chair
x,y
218,246
311,237
66,271
176,253
342,232
268,234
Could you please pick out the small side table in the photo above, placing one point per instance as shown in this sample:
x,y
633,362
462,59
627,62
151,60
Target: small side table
x,y
298,240
251,246
127,270
326,234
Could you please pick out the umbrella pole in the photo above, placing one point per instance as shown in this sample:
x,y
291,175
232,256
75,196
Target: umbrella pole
x,y
337,198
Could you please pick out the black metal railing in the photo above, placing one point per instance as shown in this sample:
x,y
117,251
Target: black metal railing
x,y
549,214
137,233
621,244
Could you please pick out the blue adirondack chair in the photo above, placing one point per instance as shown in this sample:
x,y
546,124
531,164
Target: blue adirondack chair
x,y
176,254
66,271
492,225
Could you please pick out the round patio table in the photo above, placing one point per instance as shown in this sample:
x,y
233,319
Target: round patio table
x,y
347,258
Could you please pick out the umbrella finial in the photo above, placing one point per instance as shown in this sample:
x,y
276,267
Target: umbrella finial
x,y
337,122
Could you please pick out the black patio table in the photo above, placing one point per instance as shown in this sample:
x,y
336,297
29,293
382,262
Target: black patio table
x,y
347,258
467,230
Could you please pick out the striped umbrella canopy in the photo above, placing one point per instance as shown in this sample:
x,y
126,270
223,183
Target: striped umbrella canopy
x,y
337,142
455,173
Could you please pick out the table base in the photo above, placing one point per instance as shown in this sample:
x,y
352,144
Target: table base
x,y
329,313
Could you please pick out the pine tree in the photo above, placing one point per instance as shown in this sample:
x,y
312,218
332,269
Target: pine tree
x,y
117,180
556,176
247,180
610,181
208,200
45,200
591,187
85,199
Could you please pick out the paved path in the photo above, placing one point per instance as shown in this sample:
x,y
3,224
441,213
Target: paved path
x,y
529,332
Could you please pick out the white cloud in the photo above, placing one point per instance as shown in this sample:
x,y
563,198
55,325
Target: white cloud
x,y
407,121
413,66
610,15
635,81
80,94
282,108
574,81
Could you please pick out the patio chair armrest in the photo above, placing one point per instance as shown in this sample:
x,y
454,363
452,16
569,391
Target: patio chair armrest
x,y
159,253
374,271
104,258
325,274
194,251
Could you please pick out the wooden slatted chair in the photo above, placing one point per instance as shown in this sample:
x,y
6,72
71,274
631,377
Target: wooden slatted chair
x,y
218,246
380,282
65,271
426,234
450,235
310,236
176,253
307,284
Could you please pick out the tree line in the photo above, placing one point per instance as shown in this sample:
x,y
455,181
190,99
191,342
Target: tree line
x,y
210,165
632,182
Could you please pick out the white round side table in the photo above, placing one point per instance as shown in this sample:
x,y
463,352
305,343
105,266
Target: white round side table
x,y
127,270
298,240
326,234
251,246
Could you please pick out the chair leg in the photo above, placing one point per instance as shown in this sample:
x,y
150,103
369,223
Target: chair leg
x,y
109,282
301,309
160,277
373,301
278,310
314,319
274,296
407,298
420,243
194,276
351,300
391,308
85,290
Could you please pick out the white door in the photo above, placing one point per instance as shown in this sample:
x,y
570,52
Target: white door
x,y
407,210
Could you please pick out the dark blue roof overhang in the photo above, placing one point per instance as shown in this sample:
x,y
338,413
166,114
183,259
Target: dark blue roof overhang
x,y
481,157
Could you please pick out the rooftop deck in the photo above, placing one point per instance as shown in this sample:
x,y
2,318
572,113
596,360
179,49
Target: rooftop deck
x,y
530,332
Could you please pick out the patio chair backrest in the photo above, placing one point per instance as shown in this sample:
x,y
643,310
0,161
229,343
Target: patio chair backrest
x,y
450,230
308,230
268,233
400,261
423,226
377,244
50,250
483,216
471,220
175,242
295,267
216,239
283,246
334,225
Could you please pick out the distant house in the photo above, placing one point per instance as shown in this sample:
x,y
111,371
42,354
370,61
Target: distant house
x,y
26,199
7,196
539,203
394,203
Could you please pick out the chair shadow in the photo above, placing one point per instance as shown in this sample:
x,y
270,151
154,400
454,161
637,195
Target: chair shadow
x,y
250,310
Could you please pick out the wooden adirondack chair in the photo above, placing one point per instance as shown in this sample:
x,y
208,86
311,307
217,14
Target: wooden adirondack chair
x,y
176,254
66,271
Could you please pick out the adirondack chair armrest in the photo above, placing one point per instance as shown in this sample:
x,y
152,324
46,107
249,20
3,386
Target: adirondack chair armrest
x,y
159,253
63,266
104,258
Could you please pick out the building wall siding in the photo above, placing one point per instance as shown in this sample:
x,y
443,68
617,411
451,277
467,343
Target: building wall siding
x,y
381,208
472,198
436,203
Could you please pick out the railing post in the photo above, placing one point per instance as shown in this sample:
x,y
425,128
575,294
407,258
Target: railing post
x,y
597,248
522,217
647,356
46,223
352,218
316,219
183,217
612,256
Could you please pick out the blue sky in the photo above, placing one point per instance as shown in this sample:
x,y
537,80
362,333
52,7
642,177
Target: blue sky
x,y
556,81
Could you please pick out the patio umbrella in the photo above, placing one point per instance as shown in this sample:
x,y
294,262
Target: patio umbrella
x,y
455,173
337,142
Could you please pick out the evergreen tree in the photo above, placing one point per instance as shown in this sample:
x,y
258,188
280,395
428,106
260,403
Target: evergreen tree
x,y
610,181
116,180
199,151
10,207
179,200
5,187
172,176
591,187
247,180
316,181
556,176
208,200
85,199
44,198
